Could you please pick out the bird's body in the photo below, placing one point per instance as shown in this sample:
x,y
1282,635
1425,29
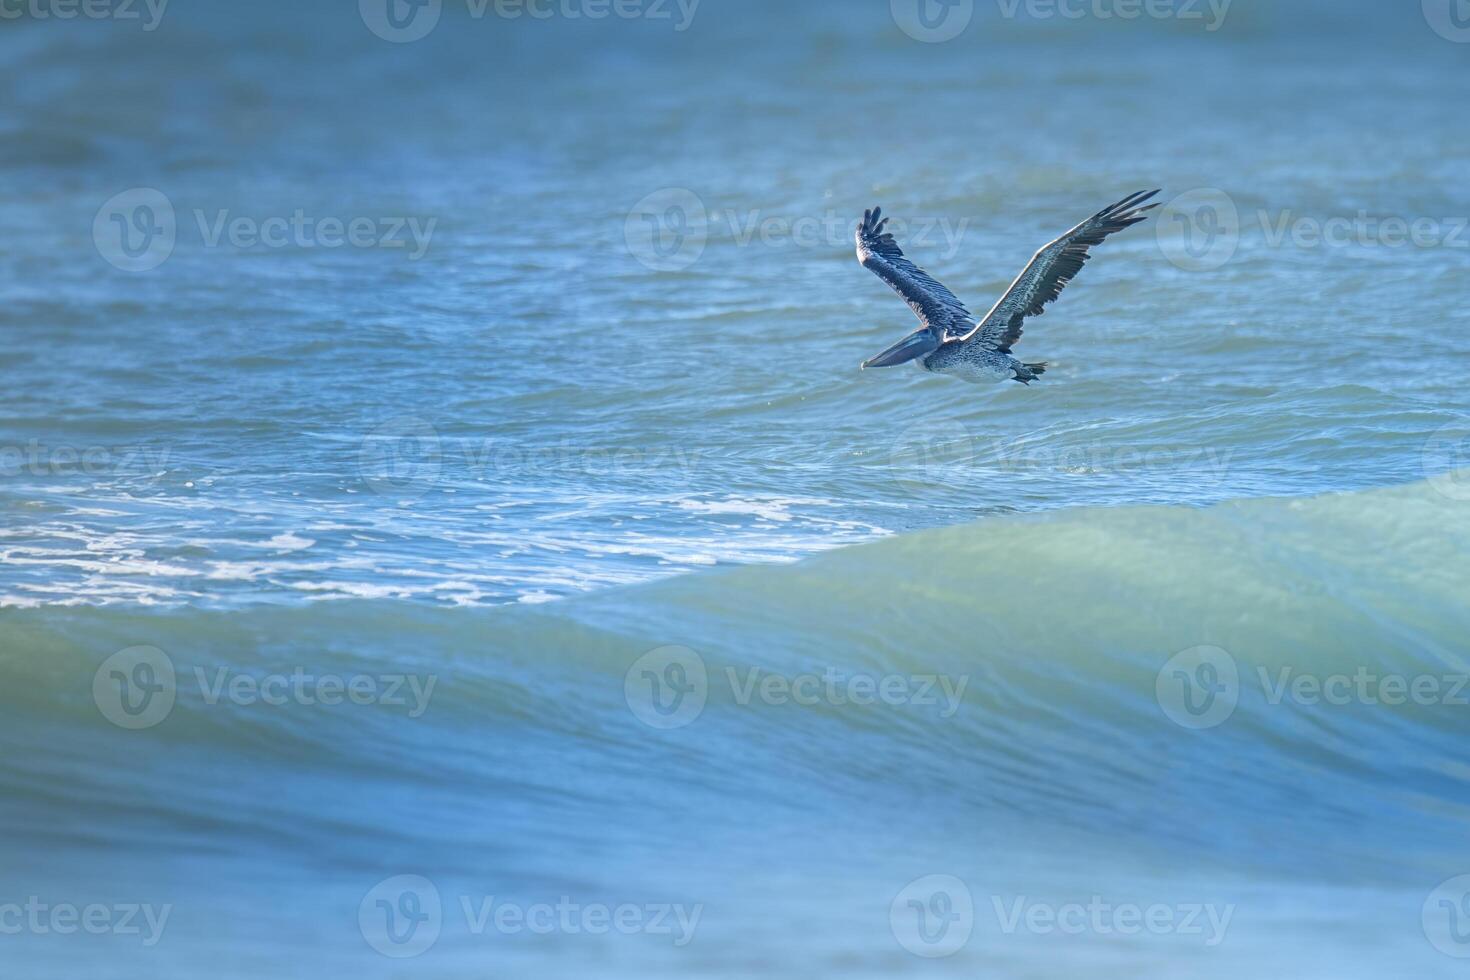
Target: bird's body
x,y
951,341
977,363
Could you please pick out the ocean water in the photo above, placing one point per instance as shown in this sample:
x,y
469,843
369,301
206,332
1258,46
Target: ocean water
x,y
446,531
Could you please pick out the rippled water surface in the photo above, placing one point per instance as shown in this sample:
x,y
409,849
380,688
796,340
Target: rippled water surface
x,y
501,400
327,354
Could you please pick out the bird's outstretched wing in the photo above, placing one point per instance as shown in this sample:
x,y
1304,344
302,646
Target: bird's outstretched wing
x,y
935,306
1052,268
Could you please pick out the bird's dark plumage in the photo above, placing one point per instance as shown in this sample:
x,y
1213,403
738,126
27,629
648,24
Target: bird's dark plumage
x,y
935,306
951,341
1053,267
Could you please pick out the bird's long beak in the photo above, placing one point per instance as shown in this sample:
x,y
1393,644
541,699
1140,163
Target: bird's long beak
x,y
914,345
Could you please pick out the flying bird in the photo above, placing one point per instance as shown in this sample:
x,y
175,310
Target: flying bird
x,y
950,340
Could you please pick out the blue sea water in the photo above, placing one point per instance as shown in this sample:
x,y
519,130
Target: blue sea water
x,y
497,370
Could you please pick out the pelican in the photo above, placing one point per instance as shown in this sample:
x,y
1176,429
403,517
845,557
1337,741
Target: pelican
x,y
950,341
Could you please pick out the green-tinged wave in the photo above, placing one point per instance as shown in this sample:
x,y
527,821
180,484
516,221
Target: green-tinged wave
x,y
1269,694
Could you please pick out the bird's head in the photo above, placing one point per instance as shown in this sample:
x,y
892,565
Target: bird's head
x,y
917,344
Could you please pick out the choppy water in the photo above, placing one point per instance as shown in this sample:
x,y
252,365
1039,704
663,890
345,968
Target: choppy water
x,y
535,311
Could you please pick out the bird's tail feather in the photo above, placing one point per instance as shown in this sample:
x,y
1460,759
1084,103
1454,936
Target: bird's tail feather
x,y
1027,373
